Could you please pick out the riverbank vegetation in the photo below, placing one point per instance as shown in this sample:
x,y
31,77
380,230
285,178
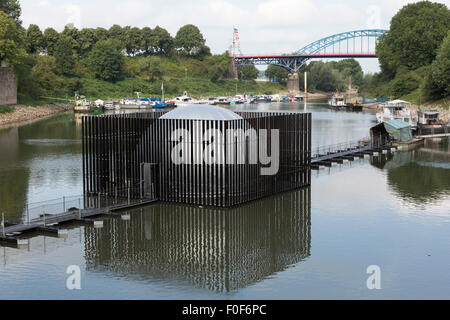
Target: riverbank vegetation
x,y
116,62
323,76
414,56
6,109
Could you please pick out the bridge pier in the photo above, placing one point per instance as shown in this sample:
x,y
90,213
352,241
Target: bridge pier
x,y
232,72
293,83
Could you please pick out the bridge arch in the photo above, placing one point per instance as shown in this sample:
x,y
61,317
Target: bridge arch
x,y
318,46
318,49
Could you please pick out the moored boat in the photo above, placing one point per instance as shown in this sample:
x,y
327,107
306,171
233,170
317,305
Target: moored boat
x,y
337,101
428,123
396,109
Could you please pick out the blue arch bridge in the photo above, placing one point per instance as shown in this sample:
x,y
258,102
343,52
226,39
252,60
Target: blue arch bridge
x,y
352,44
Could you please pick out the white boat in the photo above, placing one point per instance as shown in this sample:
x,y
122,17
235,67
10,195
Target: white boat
x,y
239,99
337,101
109,105
183,100
203,101
99,103
222,101
396,109
129,103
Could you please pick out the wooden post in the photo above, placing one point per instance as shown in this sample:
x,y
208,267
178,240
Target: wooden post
x,y
3,224
306,90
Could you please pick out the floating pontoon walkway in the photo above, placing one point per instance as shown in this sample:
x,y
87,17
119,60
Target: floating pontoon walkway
x,y
50,223
343,155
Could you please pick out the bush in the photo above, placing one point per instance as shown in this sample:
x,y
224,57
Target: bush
x,y
6,109
105,61
405,82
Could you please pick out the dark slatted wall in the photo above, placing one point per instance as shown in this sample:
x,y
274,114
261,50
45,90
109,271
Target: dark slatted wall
x,y
116,147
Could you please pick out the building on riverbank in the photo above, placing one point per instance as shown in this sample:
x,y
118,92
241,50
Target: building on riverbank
x,y
198,154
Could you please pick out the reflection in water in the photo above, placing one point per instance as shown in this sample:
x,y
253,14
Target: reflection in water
x,y
421,175
217,249
13,178
39,161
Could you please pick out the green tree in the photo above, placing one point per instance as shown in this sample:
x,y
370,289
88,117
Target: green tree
x,y
51,37
133,40
405,82
215,73
12,9
415,34
437,80
189,40
35,39
12,45
323,77
87,37
101,34
161,41
116,32
106,61
146,44
349,68
151,68
64,58
44,73
26,84
73,34
247,72
276,72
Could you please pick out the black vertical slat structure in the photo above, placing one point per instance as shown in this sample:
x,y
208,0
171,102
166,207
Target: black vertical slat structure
x,y
134,153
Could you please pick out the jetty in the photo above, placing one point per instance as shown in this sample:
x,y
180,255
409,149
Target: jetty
x,y
95,210
344,152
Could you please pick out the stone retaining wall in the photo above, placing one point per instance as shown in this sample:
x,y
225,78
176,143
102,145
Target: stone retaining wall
x,y
8,88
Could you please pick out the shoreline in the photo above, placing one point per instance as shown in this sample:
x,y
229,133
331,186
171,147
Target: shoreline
x,y
26,114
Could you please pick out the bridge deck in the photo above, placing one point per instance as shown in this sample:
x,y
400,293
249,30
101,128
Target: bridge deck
x,y
315,55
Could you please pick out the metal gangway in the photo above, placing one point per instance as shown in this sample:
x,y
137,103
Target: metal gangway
x,y
48,216
349,151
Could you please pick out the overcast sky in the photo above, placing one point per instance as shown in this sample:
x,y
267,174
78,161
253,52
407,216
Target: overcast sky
x,y
265,26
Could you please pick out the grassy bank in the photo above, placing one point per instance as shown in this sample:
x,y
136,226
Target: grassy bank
x,y
98,89
416,98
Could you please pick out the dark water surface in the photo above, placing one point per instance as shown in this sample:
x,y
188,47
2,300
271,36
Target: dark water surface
x,y
392,211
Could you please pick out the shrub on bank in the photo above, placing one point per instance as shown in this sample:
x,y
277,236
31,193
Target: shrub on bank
x,y
6,109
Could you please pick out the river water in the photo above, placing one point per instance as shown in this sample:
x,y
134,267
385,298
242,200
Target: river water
x,y
391,211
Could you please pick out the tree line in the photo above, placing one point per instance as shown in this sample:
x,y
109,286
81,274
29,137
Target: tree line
x,y
414,54
49,62
130,41
323,76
